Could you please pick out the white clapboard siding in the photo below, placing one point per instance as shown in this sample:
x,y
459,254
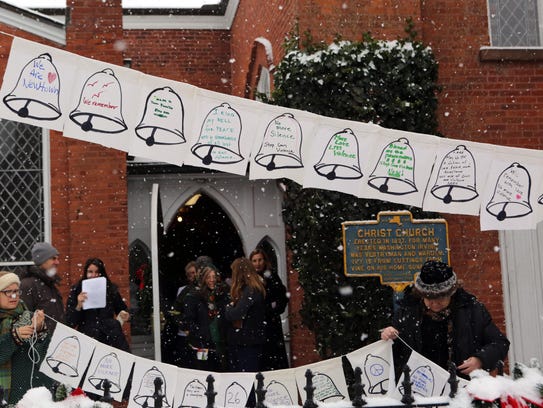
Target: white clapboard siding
x,y
522,270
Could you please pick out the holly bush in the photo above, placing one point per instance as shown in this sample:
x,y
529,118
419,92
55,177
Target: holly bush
x,y
390,83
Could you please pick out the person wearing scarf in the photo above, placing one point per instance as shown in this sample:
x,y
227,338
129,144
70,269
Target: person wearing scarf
x,y
440,320
20,330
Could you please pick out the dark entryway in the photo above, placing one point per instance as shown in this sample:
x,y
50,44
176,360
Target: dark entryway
x,y
200,227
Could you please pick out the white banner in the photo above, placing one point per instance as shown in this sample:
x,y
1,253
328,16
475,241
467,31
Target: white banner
x,y
177,123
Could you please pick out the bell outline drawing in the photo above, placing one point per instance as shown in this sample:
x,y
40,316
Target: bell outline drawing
x,y
219,137
65,358
394,172
340,159
100,104
282,144
162,119
511,198
36,95
456,177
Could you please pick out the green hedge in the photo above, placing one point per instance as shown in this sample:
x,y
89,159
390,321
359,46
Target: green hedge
x,y
390,83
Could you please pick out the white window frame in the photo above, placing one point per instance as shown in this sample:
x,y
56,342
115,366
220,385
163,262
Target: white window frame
x,y
46,174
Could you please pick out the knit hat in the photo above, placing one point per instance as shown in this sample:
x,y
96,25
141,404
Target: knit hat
x,y
8,278
42,251
436,279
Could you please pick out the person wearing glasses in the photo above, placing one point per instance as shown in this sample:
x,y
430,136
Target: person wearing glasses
x,y
18,328
102,324
39,284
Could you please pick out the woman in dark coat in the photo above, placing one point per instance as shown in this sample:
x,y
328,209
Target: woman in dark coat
x,y
444,323
18,325
245,313
274,355
102,324
204,319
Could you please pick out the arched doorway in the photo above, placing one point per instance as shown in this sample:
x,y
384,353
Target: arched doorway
x,y
200,227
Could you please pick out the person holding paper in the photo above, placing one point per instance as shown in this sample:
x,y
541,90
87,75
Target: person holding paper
x,y
95,306
440,320
20,329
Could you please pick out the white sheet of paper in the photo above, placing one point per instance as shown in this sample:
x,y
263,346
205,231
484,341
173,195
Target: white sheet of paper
x,y
96,292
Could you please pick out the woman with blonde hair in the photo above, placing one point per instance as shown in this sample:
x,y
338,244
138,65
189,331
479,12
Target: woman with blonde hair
x,y
246,314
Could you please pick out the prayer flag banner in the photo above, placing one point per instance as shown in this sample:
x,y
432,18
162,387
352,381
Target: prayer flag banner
x,y
108,364
177,123
427,379
328,380
153,383
377,366
68,355
37,87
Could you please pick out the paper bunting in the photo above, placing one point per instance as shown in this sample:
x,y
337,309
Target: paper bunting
x,y
101,110
280,148
427,379
68,355
280,386
328,380
37,84
458,177
376,364
152,380
509,200
171,122
108,364
162,132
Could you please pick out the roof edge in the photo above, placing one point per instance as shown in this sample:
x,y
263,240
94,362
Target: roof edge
x,y
33,22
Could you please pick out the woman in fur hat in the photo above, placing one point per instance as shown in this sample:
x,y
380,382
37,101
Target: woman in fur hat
x,y
18,326
440,320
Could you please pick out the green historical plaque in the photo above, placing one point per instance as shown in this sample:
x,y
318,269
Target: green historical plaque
x,y
393,247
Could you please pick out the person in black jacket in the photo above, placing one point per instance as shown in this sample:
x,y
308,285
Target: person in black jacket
x,y
204,318
274,355
245,312
440,320
102,324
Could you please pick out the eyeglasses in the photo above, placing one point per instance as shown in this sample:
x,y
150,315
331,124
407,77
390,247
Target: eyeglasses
x,y
12,292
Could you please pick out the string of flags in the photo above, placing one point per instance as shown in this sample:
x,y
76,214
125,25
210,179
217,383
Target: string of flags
x,y
177,123
73,358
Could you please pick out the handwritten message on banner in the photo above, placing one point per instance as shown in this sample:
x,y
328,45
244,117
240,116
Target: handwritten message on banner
x,y
393,247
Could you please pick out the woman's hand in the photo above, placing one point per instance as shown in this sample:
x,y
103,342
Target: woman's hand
x,y
123,317
80,300
469,365
25,332
389,333
38,320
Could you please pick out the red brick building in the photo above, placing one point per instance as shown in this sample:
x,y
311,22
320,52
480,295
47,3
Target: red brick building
x,y
490,70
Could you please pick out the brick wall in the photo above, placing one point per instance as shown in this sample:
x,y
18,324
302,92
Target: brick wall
x,y
491,102
198,57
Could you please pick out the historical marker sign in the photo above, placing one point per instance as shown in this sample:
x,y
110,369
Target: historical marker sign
x,y
393,247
